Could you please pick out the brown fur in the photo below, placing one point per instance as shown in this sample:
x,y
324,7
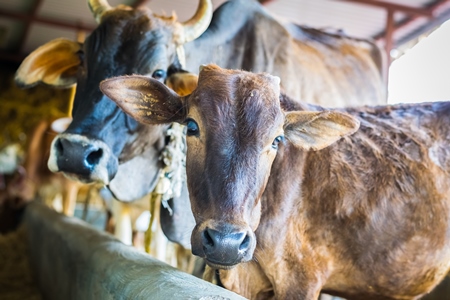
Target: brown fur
x,y
364,218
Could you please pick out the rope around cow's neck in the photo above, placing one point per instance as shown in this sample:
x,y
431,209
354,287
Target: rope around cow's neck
x,y
172,177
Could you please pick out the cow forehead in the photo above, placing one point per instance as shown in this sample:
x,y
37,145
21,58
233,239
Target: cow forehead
x,y
232,86
242,101
134,36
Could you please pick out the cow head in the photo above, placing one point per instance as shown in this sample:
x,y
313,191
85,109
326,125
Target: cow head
x,y
235,129
102,144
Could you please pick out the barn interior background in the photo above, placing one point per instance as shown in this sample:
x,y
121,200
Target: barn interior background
x,y
412,32
396,25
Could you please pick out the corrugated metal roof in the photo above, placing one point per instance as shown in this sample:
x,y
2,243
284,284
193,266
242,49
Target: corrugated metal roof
x,y
184,9
350,17
358,20
35,37
75,10
15,5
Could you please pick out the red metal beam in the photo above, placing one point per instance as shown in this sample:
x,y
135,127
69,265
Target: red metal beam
x,y
395,7
47,21
432,8
389,41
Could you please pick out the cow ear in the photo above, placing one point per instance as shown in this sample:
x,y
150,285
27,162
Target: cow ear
x,y
55,63
182,83
145,99
317,130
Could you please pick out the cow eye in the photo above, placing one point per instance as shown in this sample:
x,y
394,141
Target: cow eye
x,y
276,141
192,127
159,74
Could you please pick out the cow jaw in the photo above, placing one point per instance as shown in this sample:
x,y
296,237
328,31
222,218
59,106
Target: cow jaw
x,y
136,177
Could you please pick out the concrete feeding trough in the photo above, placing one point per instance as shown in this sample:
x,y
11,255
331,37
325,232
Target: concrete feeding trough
x,y
71,260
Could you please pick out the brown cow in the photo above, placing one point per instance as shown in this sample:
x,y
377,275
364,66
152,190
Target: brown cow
x,y
291,199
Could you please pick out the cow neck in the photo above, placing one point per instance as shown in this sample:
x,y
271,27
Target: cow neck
x,y
281,198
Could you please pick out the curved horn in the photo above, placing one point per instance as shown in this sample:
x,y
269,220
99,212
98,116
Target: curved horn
x,y
194,27
98,8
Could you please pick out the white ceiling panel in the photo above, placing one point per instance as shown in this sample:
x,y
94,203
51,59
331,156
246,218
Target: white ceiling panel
x,y
40,34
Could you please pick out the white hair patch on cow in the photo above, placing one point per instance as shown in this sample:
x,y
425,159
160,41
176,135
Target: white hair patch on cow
x,y
61,124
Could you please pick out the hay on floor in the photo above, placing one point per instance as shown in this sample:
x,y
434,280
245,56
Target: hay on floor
x,y
16,279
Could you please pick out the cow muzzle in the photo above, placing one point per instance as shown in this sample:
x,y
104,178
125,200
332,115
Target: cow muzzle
x,y
224,246
82,159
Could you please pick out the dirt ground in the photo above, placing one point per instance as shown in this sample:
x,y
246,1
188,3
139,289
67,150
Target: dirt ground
x,y
16,280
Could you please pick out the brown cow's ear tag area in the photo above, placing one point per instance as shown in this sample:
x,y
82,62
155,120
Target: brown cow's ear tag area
x,y
145,99
54,63
317,130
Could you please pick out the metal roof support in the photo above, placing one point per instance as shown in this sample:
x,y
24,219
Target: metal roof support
x,y
391,27
388,41
432,8
396,7
27,24
32,17
27,18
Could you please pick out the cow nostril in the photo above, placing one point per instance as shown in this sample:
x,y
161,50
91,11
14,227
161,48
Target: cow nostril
x,y
245,243
59,147
94,157
208,241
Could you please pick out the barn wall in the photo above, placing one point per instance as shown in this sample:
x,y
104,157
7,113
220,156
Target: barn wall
x,y
22,109
74,261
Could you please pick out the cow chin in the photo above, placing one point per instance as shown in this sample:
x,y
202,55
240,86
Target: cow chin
x,y
136,177
219,266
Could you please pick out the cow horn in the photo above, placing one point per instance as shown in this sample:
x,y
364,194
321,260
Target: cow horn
x,y
194,27
98,8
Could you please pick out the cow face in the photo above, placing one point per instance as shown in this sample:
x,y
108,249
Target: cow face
x,y
235,130
103,144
